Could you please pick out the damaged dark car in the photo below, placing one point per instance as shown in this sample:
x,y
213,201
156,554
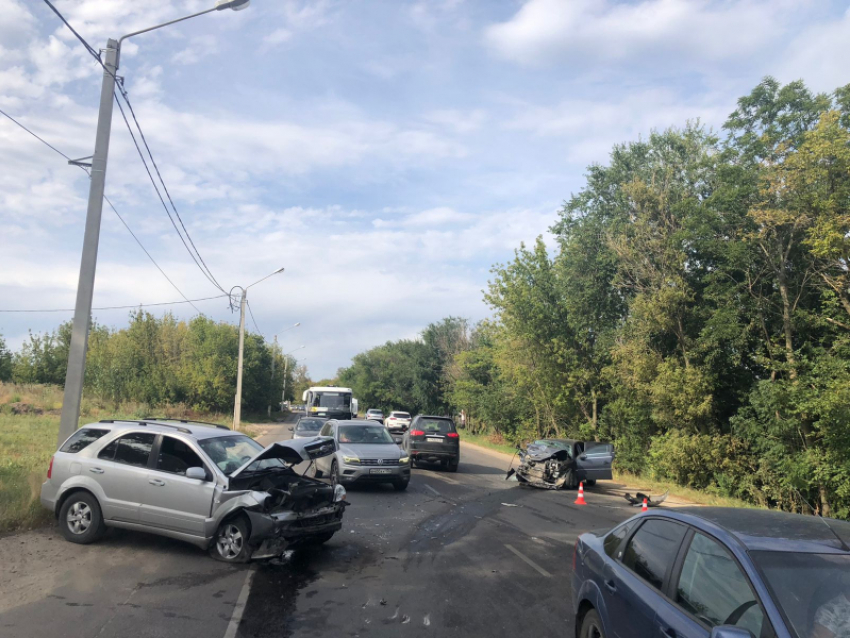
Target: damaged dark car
x,y
555,464
200,483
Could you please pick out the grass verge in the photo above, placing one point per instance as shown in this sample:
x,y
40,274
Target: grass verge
x,y
29,424
490,441
657,487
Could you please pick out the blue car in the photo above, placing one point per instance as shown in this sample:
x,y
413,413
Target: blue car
x,y
718,572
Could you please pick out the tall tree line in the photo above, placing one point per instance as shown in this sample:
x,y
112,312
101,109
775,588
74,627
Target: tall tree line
x,y
159,360
695,311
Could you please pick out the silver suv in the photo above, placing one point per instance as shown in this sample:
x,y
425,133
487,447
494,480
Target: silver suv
x,y
366,453
201,483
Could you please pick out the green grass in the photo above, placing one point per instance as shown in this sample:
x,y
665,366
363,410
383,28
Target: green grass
x,y
488,440
27,441
657,487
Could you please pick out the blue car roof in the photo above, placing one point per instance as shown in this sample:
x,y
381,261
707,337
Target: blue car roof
x,y
770,530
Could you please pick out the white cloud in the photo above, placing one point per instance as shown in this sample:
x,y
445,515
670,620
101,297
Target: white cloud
x,y
819,55
598,31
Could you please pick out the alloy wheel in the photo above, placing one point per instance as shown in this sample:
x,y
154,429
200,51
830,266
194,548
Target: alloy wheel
x,y
230,542
79,518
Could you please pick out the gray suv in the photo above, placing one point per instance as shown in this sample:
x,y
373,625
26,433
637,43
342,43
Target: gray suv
x,y
201,483
366,453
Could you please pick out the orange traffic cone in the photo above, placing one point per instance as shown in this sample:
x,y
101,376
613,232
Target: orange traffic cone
x,y
645,506
580,499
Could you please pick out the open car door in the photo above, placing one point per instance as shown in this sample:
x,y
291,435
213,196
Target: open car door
x,y
594,460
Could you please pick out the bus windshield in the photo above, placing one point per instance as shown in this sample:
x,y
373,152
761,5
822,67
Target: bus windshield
x,y
333,400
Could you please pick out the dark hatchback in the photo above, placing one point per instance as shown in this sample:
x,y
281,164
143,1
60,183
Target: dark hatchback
x,y
719,572
433,439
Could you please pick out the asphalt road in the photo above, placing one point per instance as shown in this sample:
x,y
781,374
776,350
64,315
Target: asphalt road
x,y
457,554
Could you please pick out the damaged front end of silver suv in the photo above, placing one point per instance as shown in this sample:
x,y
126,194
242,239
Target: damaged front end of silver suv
x,y
284,508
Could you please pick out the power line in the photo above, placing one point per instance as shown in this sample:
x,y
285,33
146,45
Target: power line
x,y
111,205
161,199
251,312
138,305
88,47
119,83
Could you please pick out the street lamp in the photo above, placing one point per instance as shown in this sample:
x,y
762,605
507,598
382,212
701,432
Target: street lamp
x,y
237,407
285,368
75,373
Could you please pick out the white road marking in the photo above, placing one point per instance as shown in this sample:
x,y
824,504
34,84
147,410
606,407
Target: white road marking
x,y
436,493
239,608
528,561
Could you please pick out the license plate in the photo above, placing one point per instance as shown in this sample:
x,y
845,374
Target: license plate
x,y
381,471
438,439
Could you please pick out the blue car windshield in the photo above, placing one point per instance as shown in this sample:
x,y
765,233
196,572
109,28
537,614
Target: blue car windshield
x,y
821,608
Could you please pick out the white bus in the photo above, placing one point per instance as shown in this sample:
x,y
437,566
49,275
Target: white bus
x,y
330,402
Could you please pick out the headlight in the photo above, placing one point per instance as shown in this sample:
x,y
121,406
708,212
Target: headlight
x,y
404,460
351,460
339,493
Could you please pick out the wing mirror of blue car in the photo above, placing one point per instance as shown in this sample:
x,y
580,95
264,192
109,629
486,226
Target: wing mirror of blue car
x,y
730,631
583,457
198,473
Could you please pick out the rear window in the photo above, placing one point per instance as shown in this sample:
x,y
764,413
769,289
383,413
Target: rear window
x,y
81,439
400,415
436,426
309,425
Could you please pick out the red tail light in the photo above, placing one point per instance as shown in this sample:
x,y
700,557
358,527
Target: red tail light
x,y
453,435
417,433
50,468
575,554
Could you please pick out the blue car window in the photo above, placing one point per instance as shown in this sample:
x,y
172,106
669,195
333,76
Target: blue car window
x,y
714,589
615,538
652,550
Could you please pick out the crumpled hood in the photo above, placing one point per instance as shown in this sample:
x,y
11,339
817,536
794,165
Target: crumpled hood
x,y
538,452
293,452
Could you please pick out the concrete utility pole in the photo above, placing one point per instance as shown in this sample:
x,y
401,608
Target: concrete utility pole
x,y
237,405
75,374
285,368
76,371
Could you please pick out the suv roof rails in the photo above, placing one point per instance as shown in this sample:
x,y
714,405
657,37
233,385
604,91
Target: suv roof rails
x,y
165,418
145,423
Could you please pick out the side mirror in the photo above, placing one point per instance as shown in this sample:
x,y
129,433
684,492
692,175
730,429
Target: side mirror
x,y
730,631
583,457
292,429
197,473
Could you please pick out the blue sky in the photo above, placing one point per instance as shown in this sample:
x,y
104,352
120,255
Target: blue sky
x,y
385,153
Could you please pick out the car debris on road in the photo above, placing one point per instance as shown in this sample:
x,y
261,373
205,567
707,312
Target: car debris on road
x,y
651,501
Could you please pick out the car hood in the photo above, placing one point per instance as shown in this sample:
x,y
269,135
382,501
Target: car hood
x,y
371,451
293,452
538,452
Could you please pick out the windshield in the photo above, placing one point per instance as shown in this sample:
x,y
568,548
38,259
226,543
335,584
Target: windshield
x,y
332,400
230,453
365,434
309,425
821,608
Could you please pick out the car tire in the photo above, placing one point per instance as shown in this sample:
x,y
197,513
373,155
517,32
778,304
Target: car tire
x,y
400,486
591,626
230,543
453,465
80,519
334,474
590,483
572,481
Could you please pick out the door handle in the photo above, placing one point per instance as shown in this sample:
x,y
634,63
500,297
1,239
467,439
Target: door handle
x,y
156,482
667,631
611,585
95,470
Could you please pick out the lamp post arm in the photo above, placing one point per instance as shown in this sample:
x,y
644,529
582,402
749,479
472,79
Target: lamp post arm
x,y
164,24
